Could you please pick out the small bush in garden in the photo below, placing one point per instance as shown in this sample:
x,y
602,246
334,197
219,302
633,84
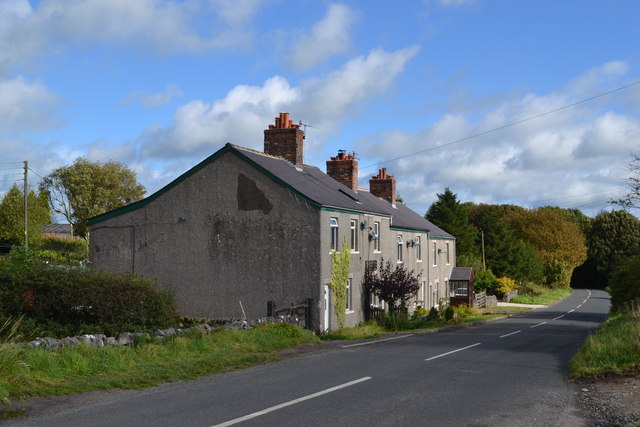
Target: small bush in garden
x,y
505,285
449,312
433,314
419,312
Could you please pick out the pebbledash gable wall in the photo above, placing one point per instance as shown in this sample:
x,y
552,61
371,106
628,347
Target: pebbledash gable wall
x,y
211,239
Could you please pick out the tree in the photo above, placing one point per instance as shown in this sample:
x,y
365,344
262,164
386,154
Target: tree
x,y
632,199
86,189
12,216
505,253
558,241
453,217
625,282
392,285
614,236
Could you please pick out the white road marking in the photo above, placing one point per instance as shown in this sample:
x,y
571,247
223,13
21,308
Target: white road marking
x,y
579,306
539,324
451,352
508,335
291,402
559,317
376,341
572,310
584,301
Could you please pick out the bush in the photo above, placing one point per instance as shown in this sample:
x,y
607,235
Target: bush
x,y
62,302
486,281
624,285
505,285
433,314
60,250
449,313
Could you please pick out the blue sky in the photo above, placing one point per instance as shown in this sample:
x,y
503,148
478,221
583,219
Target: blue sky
x,y
160,85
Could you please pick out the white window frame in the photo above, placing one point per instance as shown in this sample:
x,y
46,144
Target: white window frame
x,y
400,242
435,254
333,243
353,238
448,256
418,250
376,242
349,301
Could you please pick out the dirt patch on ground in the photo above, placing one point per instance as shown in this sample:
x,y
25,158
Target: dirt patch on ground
x,y
613,401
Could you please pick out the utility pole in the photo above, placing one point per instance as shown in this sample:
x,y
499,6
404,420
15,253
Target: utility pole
x,y
484,264
26,204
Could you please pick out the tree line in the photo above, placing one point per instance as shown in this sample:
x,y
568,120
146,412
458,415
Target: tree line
x,y
549,245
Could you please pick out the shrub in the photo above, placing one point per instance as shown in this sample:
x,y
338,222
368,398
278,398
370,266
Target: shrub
x,y
486,281
505,285
70,301
624,284
449,313
433,314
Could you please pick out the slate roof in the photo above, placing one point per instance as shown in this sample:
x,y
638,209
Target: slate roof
x,y
461,274
56,228
310,183
325,191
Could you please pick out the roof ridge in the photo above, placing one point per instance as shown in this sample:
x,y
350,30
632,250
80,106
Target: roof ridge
x,y
251,150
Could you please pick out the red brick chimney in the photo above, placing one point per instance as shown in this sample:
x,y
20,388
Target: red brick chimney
x,y
383,186
344,169
284,139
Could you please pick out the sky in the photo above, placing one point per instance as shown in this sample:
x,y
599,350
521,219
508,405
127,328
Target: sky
x,y
527,102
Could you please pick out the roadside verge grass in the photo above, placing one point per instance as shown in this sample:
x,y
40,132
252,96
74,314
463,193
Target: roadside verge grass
x,y
536,294
28,372
614,349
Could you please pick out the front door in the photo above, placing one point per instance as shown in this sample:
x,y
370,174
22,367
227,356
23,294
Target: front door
x,y
325,306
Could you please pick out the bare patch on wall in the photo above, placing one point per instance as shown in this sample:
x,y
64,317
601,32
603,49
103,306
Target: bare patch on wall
x,y
250,197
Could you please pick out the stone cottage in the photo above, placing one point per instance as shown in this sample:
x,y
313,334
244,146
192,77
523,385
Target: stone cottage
x,y
243,228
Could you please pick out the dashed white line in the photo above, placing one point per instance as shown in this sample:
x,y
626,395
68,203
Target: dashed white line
x,y
291,402
451,352
539,324
559,317
572,310
579,306
512,333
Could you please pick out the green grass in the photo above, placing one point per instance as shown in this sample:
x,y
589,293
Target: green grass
x,y
363,331
615,349
372,329
28,372
536,294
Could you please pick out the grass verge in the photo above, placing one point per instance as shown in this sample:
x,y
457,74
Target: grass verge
x,y
614,349
536,294
28,372
372,329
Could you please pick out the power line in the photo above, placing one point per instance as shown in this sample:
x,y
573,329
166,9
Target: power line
x,y
517,122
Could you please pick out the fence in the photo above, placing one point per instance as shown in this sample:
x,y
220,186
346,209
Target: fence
x,y
295,314
481,299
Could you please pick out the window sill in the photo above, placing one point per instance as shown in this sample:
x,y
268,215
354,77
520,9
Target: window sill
x,y
377,252
355,252
349,311
418,260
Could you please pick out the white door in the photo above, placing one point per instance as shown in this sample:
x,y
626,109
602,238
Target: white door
x,y
325,303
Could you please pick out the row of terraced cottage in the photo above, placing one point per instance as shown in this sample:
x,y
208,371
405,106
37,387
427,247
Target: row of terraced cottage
x,y
243,228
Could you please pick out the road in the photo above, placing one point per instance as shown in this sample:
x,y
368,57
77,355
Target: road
x,y
511,372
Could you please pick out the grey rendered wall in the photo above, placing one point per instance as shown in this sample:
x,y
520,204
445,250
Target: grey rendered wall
x,y
223,235
388,252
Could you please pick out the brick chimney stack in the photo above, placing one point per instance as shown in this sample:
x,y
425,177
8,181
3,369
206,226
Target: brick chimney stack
x,y
284,139
383,186
344,169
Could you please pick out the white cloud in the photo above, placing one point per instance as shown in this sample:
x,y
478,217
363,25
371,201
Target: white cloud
x,y
158,99
26,106
574,157
202,127
164,27
328,37
455,2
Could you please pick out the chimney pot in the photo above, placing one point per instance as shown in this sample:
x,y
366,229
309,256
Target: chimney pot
x,y
344,169
284,139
